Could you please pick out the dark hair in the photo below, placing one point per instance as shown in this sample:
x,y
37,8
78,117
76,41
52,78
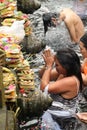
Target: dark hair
x,y
47,22
71,62
83,39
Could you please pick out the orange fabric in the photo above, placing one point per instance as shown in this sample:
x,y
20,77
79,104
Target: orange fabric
x,y
85,68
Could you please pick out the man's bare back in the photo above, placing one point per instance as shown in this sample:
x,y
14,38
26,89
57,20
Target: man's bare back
x,y
73,23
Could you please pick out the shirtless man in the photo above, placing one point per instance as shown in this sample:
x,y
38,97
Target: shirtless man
x,y
72,21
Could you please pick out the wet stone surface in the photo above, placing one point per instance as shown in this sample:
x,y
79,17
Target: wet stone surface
x,y
55,37
46,6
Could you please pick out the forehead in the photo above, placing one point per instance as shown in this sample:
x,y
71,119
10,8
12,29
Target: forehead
x,y
57,61
81,44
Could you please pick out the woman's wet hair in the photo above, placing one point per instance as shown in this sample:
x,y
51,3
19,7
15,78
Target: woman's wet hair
x,y
47,20
71,62
83,39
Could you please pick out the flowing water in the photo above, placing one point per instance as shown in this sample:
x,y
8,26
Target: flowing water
x,y
55,37
46,6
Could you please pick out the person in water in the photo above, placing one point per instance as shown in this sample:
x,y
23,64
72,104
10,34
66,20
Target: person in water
x,y
72,21
61,78
83,50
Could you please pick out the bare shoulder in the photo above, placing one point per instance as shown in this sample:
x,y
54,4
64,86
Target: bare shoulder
x,y
59,85
67,10
71,81
68,81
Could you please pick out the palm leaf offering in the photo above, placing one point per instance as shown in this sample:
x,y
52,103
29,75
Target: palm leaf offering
x,y
17,74
25,76
7,9
2,57
9,14
14,56
9,83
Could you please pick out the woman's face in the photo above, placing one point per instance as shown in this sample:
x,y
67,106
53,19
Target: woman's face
x,y
83,50
59,67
